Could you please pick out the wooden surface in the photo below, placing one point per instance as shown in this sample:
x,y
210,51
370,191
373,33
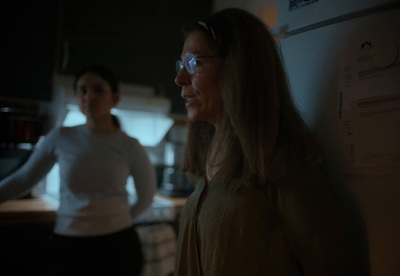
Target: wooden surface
x,y
42,210
27,211
178,202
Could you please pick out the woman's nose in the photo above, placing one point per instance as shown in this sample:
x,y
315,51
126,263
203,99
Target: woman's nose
x,y
89,94
182,77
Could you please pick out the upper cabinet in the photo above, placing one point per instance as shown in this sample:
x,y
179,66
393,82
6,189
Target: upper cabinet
x,y
139,40
119,34
29,46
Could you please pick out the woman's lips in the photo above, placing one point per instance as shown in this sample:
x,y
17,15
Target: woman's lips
x,y
188,100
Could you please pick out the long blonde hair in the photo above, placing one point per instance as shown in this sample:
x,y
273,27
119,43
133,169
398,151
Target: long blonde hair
x,y
259,128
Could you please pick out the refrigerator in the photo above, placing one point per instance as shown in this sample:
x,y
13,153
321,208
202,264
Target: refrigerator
x,y
343,63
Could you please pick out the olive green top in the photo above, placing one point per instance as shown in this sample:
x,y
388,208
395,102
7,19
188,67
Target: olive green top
x,y
294,227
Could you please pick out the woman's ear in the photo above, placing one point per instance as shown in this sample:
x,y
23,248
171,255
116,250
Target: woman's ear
x,y
116,97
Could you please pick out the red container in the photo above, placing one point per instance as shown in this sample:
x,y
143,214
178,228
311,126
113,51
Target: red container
x,y
18,127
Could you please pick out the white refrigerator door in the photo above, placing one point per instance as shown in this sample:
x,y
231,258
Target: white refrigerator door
x,y
312,61
311,12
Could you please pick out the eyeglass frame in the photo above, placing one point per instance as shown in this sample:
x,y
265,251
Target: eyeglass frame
x,y
187,59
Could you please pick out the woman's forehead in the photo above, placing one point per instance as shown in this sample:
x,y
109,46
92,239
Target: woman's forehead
x,y
197,41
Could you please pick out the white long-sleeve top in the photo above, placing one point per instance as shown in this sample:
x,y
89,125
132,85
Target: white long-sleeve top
x,y
94,168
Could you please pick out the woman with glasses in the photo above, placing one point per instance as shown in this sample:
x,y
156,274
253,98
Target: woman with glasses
x,y
94,232
260,204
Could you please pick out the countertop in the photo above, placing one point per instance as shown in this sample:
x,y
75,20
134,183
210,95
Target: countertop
x,y
43,209
27,211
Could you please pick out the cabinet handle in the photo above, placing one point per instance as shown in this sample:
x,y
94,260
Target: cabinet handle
x,y
65,57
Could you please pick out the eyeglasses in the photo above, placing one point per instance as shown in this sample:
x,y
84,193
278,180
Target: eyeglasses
x,y
189,61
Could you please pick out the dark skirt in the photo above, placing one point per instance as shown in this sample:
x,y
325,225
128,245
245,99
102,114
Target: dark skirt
x,y
116,254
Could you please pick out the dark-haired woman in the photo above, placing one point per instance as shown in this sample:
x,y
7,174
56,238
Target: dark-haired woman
x,y
94,232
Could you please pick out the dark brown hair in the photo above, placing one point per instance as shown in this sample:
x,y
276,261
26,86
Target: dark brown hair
x,y
104,72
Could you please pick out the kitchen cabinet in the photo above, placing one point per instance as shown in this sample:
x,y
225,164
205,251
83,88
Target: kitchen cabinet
x,y
139,40
23,248
25,226
29,47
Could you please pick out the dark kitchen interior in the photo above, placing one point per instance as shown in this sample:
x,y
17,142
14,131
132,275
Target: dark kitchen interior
x,y
139,40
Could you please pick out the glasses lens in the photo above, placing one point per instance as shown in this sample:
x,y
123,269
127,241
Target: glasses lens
x,y
179,66
189,61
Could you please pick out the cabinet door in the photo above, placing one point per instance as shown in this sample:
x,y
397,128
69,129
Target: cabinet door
x,y
139,40
29,43
119,34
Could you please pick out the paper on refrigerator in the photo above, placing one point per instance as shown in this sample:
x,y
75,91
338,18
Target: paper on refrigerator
x,y
369,104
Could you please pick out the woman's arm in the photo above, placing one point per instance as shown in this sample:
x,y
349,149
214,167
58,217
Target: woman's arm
x,y
145,179
35,168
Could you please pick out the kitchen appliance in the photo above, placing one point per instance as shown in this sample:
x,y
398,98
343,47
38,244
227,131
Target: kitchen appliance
x,y
21,127
342,60
12,158
174,182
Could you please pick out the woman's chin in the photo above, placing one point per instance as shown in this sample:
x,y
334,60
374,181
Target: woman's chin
x,y
192,115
